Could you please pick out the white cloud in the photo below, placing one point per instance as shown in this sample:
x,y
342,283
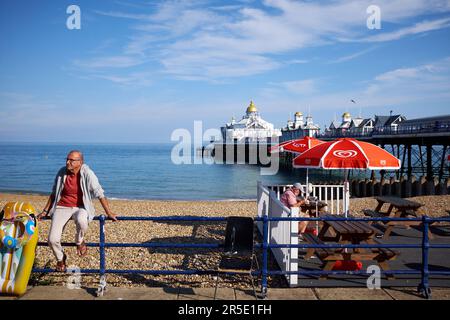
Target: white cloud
x,y
110,62
420,27
398,74
352,56
193,41
426,73
133,79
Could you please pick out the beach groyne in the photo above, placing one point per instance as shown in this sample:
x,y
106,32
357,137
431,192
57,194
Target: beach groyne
x,y
403,187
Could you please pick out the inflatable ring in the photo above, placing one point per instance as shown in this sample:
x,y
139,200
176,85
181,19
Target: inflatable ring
x,y
18,241
24,223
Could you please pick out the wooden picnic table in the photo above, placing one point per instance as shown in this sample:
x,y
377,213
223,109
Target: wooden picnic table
x,y
313,206
403,206
345,232
403,209
353,232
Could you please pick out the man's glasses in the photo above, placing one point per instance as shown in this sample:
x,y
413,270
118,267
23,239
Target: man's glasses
x,y
72,160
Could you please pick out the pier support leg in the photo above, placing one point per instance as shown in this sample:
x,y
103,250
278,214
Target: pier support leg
x,y
409,162
429,162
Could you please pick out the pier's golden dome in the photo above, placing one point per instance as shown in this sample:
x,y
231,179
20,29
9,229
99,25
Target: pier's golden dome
x,y
346,114
252,107
298,113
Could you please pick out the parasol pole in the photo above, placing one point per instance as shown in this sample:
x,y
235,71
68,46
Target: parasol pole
x,y
307,180
346,205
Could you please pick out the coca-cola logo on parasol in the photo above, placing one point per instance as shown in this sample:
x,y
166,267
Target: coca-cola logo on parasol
x,y
299,145
345,153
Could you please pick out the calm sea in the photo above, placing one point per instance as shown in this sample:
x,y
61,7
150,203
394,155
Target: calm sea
x,y
133,171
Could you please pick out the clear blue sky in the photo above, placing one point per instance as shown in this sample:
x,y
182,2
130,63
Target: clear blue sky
x,y
137,70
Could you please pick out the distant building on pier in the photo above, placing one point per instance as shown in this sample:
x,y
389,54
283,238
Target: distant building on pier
x,y
251,128
359,126
299,128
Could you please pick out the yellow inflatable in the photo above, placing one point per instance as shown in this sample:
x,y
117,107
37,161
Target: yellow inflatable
x,y
18,240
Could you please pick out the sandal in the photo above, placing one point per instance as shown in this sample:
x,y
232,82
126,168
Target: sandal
x,y
82,249
61,265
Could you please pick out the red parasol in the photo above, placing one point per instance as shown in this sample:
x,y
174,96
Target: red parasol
x,y
297,145
345,154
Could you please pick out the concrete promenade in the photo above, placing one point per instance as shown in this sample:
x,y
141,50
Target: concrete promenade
x,y
167,293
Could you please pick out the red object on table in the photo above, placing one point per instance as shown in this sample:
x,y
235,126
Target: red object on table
x,y
311,231
347,265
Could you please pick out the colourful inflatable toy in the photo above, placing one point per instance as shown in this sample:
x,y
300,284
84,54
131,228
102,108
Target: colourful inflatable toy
x,y
18,240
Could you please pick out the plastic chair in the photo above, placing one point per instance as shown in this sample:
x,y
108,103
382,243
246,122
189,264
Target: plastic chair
x,y
238,254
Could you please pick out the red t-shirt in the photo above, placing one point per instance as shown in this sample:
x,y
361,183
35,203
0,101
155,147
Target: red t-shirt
x,y
71,195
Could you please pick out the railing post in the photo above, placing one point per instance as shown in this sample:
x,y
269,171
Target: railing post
x,y
102,244
424,286
264,256
102,285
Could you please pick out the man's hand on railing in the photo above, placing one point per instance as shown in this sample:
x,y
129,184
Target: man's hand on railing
x,y
42,215
112,216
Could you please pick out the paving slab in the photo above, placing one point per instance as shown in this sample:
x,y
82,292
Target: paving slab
x,y
116,293
58,293
440,294
8,297
206,294
291,294
403,293
246,294
351,294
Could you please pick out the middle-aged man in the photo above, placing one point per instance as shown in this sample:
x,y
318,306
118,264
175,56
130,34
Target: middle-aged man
x,y
290,199
73,190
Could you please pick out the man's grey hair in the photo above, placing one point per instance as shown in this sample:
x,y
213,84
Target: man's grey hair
x,y
79,152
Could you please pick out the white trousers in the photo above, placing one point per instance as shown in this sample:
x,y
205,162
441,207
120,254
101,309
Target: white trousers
x,y
60,217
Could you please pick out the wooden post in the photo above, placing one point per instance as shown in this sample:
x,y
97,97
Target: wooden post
x,y
423,181
377,188
429,187
383,183
402,186
370,187
362,188
407,188
417,187
397,189
389,186
441,188
354,188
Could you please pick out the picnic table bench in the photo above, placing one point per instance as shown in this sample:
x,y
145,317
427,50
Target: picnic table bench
x,y
403,209
342,232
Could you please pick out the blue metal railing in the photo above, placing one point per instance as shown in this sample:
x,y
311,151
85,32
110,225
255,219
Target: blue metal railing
x,y
425,246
